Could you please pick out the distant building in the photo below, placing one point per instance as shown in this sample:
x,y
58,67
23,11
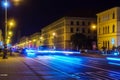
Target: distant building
x,y
33,41
108,28
58,34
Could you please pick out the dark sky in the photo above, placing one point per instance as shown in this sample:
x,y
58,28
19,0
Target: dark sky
x,y
32,15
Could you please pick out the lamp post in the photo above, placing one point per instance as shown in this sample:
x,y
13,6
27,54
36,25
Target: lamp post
x,y
5,5
5,38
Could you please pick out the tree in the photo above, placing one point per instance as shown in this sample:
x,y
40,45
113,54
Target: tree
x,y
79,41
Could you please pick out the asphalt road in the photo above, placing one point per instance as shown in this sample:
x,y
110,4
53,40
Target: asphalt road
x,y
53,67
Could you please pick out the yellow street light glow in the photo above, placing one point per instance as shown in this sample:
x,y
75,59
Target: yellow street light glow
x,y
11,23
94,27
16,2
53,34
10,33
41,38
8,37
34,40
29,41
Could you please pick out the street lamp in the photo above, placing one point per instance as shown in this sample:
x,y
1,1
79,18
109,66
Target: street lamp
x,y
16,2
5,4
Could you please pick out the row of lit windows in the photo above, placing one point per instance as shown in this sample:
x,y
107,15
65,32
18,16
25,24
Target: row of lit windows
x,y
106,30
83,30
83,23
106,44
107,17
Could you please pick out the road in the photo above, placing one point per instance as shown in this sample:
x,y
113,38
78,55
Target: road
x,y
55,67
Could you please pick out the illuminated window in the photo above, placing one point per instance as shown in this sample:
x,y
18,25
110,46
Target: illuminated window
x,y
113,28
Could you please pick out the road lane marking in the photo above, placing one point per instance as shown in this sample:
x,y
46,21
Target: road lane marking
x,y
90,75
4,75
93,67
53,68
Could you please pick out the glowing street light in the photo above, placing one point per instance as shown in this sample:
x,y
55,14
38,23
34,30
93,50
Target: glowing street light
x,y
53,34
11,23
93,27
16,2
5,4
10,33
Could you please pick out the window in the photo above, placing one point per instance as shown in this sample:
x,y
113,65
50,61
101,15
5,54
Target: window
x,y
83,23
83,30
72,23
77,29
77,22
71,30
89,23
99,20
103,43
113,16
108,44
113,28
89,30
108,29
103,30
99,30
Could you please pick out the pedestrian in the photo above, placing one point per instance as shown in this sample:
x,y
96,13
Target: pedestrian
x,y
5,52
10,51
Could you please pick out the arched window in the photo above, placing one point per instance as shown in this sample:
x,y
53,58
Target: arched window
x,y
113,16
108,29
103,30
113,28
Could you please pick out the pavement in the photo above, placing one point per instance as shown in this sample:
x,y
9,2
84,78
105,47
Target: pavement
x,y
13,68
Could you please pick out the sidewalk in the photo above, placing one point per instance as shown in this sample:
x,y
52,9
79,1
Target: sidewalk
x,y
14,68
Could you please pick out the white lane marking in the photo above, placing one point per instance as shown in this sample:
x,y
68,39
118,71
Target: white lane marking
x,y
53,68
92,67
4,75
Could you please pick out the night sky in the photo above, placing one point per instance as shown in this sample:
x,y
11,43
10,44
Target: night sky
x,y
32,15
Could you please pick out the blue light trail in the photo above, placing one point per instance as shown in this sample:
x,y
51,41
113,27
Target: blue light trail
x,y
113,59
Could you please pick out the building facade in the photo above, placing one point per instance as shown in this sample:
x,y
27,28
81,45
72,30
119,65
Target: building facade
x,y
58,34
33,41
108,28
